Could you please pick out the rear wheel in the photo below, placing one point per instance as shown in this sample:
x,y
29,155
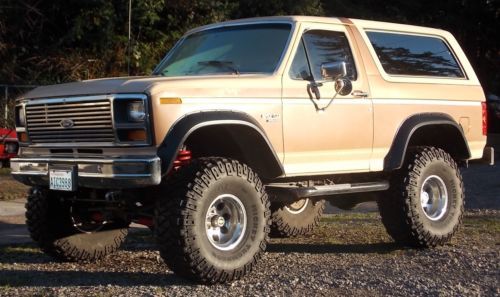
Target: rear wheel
x,y
66,232
298,218
425,204
213,226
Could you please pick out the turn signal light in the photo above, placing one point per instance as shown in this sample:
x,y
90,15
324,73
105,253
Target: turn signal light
x,y
22,136
136,135
170,101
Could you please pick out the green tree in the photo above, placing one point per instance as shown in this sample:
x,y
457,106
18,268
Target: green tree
x,y
55,41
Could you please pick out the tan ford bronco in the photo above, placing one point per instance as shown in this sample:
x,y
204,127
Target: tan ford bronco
x,y
242,132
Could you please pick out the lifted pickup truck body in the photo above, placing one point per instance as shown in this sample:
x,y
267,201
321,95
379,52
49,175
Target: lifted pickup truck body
x,y
318,108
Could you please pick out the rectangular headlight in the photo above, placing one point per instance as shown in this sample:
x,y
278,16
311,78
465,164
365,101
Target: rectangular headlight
x,y
131,119
136,111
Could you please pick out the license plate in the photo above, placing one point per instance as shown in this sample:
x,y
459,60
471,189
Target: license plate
x,y
61,180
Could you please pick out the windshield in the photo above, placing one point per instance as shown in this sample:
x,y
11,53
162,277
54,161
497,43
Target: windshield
x,y
228,50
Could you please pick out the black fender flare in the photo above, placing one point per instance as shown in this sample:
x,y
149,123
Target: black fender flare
x,y
189,123
396,156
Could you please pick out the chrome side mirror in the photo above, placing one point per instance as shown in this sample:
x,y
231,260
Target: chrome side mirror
x,y
333,70
337,71
343,86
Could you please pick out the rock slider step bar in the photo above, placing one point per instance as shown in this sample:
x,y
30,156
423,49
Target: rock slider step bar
x,y
295,192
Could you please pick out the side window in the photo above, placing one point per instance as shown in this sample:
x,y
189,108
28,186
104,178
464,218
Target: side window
x,y
300,67
318,47
328,46
415,55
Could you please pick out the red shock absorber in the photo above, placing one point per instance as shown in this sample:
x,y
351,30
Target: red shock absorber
x,y
183,159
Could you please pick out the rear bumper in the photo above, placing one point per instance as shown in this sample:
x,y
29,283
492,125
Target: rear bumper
x,y
112,173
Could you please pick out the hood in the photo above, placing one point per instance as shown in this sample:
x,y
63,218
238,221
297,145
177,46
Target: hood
x,y
191,86
96,87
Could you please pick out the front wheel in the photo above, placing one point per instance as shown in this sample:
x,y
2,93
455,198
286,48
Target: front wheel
x,y
425,204
212,224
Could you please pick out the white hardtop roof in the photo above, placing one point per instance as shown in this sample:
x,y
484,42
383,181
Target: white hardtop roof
x,y
374,25
362,24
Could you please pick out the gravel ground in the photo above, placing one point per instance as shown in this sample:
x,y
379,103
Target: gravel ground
x,y
349,254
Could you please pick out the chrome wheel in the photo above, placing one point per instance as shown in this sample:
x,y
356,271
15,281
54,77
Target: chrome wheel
x,y
225,222
298,206
434,197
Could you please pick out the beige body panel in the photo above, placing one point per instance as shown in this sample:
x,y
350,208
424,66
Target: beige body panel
x,y
396,98
338,139
228,93
353,135
465,113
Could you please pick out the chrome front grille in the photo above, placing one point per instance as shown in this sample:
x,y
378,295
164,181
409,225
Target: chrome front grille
x,y
66,121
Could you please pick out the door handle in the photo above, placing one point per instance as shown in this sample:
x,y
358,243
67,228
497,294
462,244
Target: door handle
x,y
358,93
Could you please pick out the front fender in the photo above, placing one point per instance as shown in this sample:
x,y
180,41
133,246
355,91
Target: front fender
x,y
185,126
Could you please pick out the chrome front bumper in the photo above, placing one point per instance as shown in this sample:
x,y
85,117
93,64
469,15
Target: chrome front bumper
x,y
91,173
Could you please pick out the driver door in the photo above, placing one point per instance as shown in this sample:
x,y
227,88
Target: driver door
x,y
339,138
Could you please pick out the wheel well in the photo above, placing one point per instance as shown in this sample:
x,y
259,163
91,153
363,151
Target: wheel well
x,y
427,129
444,136
239,142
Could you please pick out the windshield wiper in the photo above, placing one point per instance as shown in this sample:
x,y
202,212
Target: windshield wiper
x,y
223,64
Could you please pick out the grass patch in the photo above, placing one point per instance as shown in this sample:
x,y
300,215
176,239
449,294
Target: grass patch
x,y
367,228
482,225
19,249
9,188
4,171
344,229
350,216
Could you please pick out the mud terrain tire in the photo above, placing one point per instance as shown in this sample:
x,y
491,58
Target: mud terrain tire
x,y
196,199
296,219
49,223
425,204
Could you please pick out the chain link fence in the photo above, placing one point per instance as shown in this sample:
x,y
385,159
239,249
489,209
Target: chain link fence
x,y
8,95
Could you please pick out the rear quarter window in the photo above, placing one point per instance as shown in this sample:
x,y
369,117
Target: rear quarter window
x,y
414,55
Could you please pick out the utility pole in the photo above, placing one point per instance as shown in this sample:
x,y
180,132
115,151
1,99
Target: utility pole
x,y
6,115
129,30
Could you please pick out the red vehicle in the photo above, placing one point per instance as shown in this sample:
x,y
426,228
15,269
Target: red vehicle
x,y
8,146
